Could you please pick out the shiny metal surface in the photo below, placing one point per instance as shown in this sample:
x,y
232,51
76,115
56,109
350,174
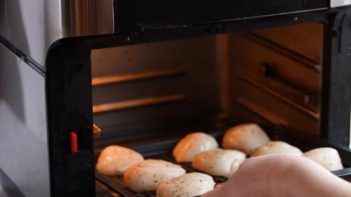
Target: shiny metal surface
x,y
135,103
90,17
33,26
23,132
7,187
339,3
2,192
136,76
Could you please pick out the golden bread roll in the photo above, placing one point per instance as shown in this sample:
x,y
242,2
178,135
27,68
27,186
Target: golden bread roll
x,y
115,160
188,185
147,175
245,137
219,162
193,144
327,157
277,147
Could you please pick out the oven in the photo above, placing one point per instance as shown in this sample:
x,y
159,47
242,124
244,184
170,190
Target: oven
x,y
78,75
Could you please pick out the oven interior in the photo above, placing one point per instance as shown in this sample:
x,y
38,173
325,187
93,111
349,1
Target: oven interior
x,y
148,96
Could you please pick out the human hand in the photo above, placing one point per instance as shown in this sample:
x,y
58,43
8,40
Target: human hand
x,y
279,176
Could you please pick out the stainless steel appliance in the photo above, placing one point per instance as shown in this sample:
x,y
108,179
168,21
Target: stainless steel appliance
x,y
143,91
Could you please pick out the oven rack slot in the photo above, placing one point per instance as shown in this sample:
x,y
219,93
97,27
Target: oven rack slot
x,y
295,102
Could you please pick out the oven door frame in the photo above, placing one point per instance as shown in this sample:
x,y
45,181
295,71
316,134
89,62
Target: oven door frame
x,y
69,90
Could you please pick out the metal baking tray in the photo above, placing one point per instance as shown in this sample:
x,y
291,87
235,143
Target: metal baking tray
x,y
162,149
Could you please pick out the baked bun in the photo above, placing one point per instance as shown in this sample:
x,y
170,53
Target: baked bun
x,y
193,144
219,162
245,137
147,175
188,185
277,147
327,157
115,160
